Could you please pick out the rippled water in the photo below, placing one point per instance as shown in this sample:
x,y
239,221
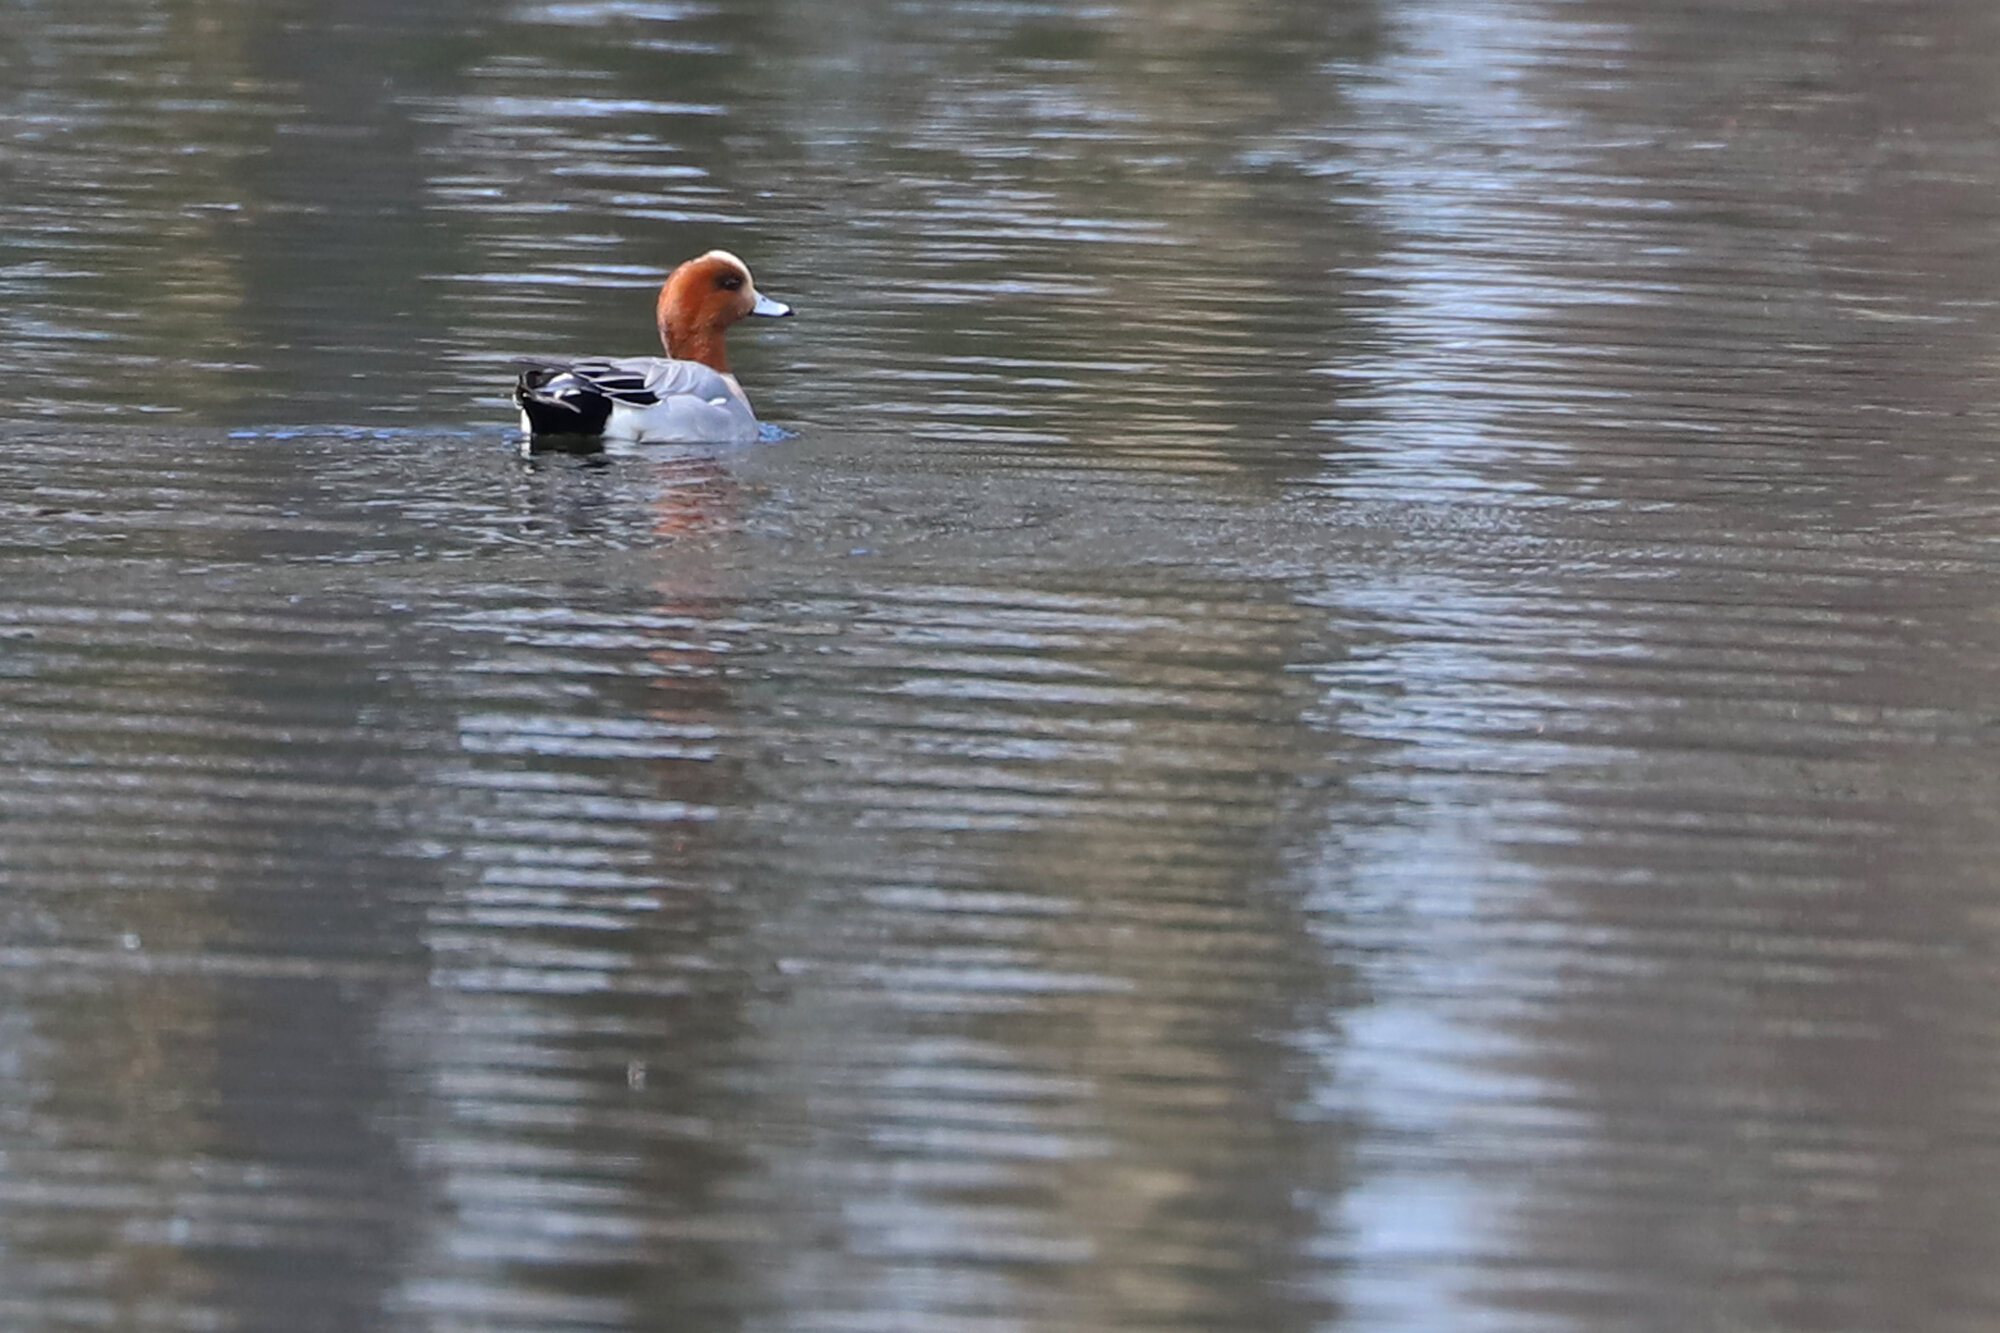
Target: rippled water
x,y
1362,694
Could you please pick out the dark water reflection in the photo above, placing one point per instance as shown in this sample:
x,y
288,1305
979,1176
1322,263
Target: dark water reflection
x,y
1362,698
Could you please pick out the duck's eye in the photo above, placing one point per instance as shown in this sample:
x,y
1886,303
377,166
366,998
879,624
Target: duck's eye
x,y
730,282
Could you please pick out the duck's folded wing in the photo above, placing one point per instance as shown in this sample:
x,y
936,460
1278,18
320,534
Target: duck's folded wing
x,y
638,398
641,381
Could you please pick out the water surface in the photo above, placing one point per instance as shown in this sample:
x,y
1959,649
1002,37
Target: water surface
x,y
1361,694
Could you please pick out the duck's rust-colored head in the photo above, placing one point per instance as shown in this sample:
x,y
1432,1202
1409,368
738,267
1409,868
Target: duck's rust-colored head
x,y
701,299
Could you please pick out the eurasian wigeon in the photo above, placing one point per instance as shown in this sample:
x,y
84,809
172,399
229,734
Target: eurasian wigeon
x,y
688,396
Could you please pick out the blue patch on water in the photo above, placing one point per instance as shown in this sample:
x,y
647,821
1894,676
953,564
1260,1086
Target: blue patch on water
x,y
277,432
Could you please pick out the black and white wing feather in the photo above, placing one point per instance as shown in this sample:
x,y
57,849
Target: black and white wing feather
x,y
578,397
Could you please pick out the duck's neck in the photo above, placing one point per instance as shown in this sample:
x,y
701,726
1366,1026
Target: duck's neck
x,y
694,343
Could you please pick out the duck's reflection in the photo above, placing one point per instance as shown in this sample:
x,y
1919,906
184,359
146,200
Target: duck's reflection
x,y
587,993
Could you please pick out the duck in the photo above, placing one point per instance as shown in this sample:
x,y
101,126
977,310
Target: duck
x,y
688,396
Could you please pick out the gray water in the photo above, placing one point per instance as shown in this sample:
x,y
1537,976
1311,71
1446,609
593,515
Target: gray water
x,y
1363,691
